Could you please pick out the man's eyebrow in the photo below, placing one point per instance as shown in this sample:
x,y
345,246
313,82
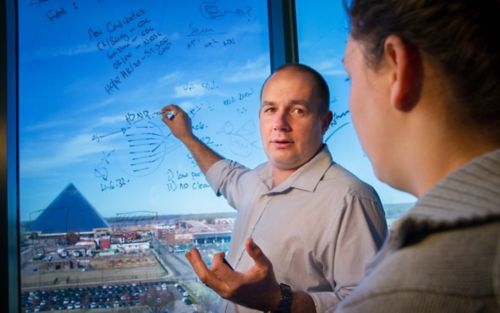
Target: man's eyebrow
x,y
291,102
299,101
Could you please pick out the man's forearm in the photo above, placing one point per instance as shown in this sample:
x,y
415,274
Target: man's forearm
x,y
203,155
302,302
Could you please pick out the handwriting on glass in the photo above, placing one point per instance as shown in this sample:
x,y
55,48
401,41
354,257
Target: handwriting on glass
x,y
53,14
127,43
241,139
211,9
185,180
339,121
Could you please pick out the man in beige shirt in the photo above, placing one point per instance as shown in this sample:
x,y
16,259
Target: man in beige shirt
x,y
315,223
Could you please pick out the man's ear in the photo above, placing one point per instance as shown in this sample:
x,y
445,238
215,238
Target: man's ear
x,y
326,120
405,66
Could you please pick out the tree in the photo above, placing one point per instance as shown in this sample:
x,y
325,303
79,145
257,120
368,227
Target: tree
x,y
157,299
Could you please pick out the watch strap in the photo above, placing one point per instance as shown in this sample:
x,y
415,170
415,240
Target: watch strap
x,y
286,298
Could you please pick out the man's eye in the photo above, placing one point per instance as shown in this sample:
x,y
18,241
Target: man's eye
x,y
298,111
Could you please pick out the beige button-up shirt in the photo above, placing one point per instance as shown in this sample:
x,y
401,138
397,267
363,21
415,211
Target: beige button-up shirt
x,y
319,227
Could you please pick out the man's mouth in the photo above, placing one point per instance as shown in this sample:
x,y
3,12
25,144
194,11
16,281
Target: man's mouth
x,y
282,143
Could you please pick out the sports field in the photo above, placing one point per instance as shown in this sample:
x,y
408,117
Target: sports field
x,y
100,270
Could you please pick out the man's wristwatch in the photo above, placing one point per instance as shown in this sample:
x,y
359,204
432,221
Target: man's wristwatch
x,y
286,299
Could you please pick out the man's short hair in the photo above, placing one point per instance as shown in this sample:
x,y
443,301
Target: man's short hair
x,y
319,82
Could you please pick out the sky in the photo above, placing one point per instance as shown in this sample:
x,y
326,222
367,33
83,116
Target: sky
x,y
94,74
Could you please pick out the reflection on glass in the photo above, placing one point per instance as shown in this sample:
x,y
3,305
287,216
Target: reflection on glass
x,y
110,201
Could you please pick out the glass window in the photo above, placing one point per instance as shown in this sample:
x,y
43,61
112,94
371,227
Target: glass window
x,y
109,200
322,36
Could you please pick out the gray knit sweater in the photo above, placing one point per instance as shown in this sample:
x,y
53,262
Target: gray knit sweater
x,y
444,255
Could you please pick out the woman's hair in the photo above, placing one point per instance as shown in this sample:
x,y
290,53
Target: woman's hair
x,y
460,36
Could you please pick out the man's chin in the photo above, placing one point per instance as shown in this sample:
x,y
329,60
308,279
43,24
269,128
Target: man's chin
x,y
286,165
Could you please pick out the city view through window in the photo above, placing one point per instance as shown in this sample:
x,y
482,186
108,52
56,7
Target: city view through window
x,y
110,201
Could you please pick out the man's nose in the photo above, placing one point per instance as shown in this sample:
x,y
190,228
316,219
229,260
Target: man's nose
x,y
280,122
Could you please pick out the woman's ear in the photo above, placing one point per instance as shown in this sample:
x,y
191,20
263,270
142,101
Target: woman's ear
x,y
405,66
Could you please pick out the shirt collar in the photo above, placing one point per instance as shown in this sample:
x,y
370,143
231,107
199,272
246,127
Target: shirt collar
x,y
305,177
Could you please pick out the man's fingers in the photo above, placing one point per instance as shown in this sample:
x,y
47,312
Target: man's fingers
x,y
198,265
200,268
218,260
256,254
168,112
222,268
170,107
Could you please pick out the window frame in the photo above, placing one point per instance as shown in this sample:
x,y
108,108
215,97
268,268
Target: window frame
x,y
9,216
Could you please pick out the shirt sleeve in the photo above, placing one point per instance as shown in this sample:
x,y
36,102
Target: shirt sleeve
x,y
361,232
227,178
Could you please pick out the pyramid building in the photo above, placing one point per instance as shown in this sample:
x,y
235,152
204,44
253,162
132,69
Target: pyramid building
x,y
68,212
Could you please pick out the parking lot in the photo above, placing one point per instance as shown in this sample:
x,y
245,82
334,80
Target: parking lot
x,y
158,296
153,281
